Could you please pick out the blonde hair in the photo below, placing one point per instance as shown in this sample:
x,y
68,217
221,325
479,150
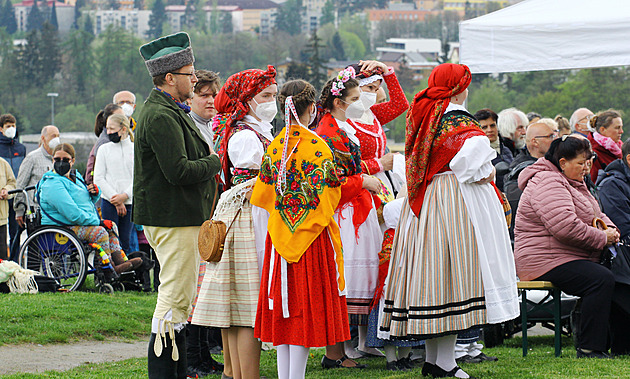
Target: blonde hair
x,y
123,121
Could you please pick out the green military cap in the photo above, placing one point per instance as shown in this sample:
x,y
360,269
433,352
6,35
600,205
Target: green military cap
x,y
167,54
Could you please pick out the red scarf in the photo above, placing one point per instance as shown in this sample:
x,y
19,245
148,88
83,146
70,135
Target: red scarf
x,y
425,151
232,99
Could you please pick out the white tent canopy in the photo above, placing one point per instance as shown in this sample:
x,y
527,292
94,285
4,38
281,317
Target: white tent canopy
x,y
548,35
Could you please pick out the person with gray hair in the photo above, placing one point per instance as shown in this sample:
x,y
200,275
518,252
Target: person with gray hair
x,y
512,125
538,139
127,101
35,164
579,121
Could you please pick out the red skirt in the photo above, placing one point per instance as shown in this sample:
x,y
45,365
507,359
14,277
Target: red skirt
x,y
318,315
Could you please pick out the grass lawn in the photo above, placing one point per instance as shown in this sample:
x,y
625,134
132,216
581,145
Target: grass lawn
x,y
68,317
65,317
540,363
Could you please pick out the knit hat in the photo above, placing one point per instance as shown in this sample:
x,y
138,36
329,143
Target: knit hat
x,y
167,54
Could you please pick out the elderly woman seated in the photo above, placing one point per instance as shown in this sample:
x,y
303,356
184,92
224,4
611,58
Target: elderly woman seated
x,y
65,200
555,239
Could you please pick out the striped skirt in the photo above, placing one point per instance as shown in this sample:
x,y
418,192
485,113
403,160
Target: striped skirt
x,y
435,286
229,292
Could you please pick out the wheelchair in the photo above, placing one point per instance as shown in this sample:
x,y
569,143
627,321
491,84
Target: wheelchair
x,y
56,252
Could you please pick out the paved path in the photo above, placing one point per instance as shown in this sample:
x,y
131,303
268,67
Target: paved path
x,y
34,358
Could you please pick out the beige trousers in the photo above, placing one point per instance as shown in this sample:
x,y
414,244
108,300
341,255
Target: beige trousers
x,y
177,252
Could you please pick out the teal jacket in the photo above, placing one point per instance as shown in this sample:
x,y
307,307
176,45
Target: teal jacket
x,y
64,202
173,184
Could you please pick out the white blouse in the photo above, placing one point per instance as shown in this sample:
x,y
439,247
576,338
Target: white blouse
x,y
244,147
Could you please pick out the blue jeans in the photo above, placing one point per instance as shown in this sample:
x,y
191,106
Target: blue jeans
x,y
124,223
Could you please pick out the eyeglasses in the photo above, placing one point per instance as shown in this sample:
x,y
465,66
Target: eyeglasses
x,y
183,73
67,160
125,102
552,136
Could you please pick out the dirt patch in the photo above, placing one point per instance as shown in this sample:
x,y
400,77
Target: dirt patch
x,y
33,358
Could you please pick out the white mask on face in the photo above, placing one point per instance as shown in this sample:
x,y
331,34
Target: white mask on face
x,y
10,132
127,109
355,110
368,99
53,143
266,111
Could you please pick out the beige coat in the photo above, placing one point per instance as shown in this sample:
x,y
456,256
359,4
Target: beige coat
x,y
7,181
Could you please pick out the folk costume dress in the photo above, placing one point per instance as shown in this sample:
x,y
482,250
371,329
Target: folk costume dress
x,y
369,128
452,266
302,288
228,295
361,234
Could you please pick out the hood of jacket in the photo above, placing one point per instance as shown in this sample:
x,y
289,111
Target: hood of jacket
x,y
616,169
4,140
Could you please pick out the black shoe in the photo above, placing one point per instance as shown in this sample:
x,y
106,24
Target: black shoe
x,y
395,366
486,358
592,354
427,368
331,363
197,372
212,366
437,372
406,363
469,359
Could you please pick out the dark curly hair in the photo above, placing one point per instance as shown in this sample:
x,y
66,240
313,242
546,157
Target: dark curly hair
x,y
303,95
326,98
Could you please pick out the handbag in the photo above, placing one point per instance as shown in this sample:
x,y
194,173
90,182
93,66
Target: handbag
x,y
212,235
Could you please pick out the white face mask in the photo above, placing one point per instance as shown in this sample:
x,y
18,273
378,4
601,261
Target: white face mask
x,y
127,109
266,111
368,99
53,143
355,110
10,132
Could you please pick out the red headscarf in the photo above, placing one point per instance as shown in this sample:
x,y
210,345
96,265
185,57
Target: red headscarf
x,y
232,100
423,157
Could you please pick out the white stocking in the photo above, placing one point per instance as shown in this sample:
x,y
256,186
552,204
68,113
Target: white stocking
x,y
446,355
390,353
283,361
299,357
431,351
403,352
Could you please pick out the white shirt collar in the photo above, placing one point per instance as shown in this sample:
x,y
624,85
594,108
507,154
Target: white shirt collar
x,y
455,107
261,127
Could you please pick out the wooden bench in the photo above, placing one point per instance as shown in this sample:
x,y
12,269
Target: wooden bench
x,y
554,308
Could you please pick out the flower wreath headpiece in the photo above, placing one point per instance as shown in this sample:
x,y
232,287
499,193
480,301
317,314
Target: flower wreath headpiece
x,y
342,77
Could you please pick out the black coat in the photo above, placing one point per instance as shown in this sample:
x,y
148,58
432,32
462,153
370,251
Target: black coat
x,y
614,195
505,156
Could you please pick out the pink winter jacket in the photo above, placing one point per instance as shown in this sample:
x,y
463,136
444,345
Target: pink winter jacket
x,y
554,221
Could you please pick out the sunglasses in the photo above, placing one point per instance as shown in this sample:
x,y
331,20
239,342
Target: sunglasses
x,y
62,159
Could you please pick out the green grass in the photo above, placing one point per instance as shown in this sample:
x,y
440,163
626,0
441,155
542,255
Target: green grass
x,y
68,317
46,318
539,363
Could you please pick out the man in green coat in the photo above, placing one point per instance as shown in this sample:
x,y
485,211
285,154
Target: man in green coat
x,y
174,188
